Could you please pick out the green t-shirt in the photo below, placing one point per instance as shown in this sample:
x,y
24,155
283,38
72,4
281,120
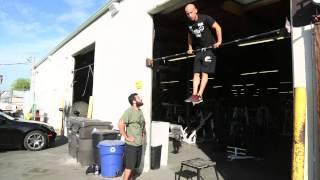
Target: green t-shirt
x,y
135,123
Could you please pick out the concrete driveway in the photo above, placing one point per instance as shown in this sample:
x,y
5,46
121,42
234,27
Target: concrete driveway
x,y
50,164
56,164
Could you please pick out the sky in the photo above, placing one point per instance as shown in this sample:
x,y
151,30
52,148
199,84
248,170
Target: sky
x,y
30,29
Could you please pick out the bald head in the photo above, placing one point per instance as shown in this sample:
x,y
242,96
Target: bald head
x,y
191,12
190,6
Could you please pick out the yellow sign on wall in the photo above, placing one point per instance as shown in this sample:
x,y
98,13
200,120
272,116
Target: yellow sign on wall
x,y
139,84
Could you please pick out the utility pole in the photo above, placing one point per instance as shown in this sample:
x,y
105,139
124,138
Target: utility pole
x,y
32,60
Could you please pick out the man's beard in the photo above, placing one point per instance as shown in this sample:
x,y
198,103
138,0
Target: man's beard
x,y
139,104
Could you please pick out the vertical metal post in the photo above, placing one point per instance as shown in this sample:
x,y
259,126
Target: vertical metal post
x,y
298,154
32,59
316,39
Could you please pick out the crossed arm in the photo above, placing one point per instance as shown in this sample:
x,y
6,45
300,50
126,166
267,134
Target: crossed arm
x,y
122,129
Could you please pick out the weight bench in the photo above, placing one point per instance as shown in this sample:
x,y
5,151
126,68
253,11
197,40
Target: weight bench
x,y
196,163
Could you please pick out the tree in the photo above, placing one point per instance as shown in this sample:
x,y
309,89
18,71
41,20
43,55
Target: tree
x,y
21,84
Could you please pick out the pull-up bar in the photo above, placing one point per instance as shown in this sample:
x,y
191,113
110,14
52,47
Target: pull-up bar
x,y
149,61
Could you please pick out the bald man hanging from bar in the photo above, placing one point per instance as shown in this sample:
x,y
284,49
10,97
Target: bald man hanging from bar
x,y
201,30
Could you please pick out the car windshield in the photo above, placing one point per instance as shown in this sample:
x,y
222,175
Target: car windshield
x,y
6,116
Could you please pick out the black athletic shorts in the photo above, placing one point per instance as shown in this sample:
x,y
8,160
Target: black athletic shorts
x,y
132,156
204,61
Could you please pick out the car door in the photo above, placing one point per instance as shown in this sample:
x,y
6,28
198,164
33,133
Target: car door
x,y
10,135
3,131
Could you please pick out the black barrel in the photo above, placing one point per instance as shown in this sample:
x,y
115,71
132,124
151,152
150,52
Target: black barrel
x,y
85,152
155,156
100,135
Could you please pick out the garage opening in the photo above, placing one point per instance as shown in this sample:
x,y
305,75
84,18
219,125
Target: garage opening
x,y
248,102
83,79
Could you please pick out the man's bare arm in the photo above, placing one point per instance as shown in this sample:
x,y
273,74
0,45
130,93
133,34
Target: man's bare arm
x,y
218,30
189,44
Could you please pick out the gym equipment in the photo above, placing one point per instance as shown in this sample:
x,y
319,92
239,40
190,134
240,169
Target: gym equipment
x,y
238,153
197,164
178,132
278,32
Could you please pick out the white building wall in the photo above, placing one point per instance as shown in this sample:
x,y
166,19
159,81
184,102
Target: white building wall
x,y
304,76
51,84
120,63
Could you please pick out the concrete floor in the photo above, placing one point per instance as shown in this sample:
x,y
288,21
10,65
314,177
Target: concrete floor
x,y
56,164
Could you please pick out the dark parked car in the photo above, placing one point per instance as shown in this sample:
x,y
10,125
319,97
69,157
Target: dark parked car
x,y
32,135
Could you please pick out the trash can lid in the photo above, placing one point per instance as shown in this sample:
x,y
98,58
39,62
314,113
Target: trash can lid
x,y
111,143
104,131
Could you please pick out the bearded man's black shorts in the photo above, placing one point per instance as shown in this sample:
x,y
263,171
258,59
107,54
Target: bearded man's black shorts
x,y
132,156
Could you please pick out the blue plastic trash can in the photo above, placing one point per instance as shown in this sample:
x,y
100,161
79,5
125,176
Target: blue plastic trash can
x,y
111,154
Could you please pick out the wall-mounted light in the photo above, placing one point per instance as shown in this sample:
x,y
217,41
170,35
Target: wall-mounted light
x,y
284,92
114,8
269,71
169,82
237,85
245,2
249,85
285,82
259,41
249,73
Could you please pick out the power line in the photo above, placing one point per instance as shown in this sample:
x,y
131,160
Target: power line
x,y
29,60
11,64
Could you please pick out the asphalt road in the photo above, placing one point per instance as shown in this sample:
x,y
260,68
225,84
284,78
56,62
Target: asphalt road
x,y
56,164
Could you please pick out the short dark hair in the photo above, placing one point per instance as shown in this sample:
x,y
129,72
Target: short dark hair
x,y
131,97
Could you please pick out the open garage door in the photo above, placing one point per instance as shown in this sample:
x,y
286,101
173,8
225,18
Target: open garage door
x,y
249,98
83,80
